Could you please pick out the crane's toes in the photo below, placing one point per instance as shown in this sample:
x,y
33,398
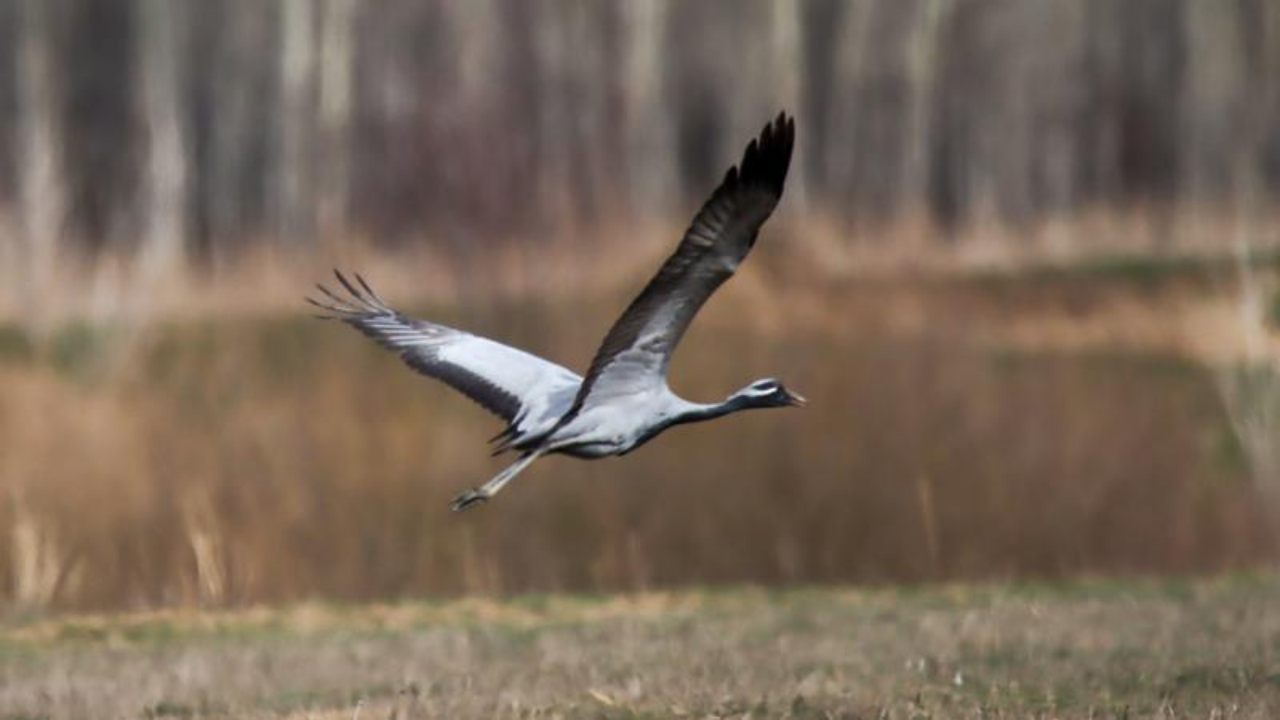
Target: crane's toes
x,y
474,496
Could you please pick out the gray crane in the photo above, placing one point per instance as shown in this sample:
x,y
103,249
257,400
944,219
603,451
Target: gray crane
x,y
624,400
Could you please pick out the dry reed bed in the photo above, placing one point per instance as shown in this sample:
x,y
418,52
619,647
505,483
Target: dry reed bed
x,y
236,459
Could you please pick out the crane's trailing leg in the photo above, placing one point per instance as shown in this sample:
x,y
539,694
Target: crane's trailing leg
x,y
474,496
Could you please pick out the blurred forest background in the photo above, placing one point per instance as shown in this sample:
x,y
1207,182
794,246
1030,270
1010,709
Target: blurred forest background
x,y
1097,393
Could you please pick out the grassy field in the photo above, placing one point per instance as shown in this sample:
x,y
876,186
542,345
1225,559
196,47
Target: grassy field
x,y
1099,648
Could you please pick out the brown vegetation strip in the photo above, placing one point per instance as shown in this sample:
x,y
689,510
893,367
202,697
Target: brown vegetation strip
x,y
233,461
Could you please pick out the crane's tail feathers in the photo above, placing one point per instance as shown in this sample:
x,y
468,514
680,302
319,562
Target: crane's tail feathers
x,y
481,494
504,438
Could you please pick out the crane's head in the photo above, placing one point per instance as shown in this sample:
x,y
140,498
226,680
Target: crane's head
x,y
768,392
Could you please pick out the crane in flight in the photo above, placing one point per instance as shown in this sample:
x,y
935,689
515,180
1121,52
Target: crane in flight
x,y
623,401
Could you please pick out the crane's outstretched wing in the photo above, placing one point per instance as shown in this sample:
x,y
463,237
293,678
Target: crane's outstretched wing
x,y
637,351
521,388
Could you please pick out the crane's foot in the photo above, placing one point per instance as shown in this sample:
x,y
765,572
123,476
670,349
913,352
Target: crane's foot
x,y
474,496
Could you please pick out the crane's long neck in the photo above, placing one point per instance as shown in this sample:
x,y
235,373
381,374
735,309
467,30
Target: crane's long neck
x,y
681,411
697,412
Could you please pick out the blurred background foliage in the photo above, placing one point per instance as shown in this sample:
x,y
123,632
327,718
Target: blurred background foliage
x,y
190,129
1023,270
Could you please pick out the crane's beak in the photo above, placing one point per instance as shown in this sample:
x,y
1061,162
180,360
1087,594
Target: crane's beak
x,y
796,400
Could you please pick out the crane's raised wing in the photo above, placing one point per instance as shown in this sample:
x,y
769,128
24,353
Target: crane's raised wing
x,y
636,353
521,388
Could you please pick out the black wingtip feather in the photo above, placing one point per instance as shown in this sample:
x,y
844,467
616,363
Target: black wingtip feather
x,y
372,295
340,304
350,288
359,301
767,157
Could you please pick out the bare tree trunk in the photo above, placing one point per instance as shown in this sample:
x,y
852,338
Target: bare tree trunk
x,y
41,201
843,112
236,167
337,58
295,125
165,213
649,136
789,68
552,60
922,61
